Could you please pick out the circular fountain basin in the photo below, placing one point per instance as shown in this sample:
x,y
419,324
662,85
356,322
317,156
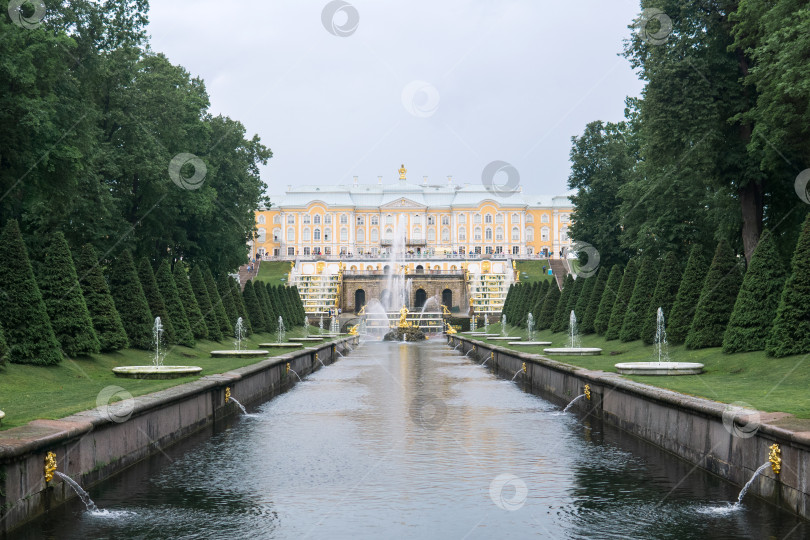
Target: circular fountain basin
x,y
248,353
280,345
505,338
659,368
530,343
304,339
574,351
153,372
2,415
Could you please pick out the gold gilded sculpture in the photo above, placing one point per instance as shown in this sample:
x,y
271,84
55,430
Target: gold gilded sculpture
x,y
353,330
403,316
50,466
402,171
227,394
588,391
775,457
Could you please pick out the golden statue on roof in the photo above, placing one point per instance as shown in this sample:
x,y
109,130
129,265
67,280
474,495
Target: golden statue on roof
x,y
402,171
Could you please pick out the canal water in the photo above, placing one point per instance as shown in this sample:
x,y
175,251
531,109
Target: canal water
x,y
414,441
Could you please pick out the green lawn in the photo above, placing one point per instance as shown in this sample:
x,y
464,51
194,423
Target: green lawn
x,y
531,271
31,392
768,384
274,272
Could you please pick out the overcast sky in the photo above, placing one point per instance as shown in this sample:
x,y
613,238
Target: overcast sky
x,y
444,87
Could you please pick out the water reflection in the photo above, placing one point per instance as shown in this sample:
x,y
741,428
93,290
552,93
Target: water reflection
x,y
414,440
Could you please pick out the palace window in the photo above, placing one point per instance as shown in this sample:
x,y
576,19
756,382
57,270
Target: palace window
x,y
277,219
445,220
477,250
544,218
499,234
261,235
389,233
344,234
262,220
327,219
291,251
529,218
361,220
462,219
498,249
306,251
417,219
389,220
477,219
327,250
375,236
445,235
317,219
462,234
306,234
477,236
544,234
344,219
290,235
361,235
515,218
327,234
515,234
489,250
317,234
431,235
499,218
564,234
307,219
417,233
488,234
516,250
431,220
529,234
276,235
488,218
291,219
563,218
375,220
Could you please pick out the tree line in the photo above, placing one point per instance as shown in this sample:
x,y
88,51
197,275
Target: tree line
x,y
91,122
706,303
62,306
712,148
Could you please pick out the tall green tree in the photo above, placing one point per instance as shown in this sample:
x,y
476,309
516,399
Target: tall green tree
x,y
196,320
561,313
254,308
23,314
225,325
3,347
592,308
174,306
622,303
130,301
64,301
666,289
640,300
236,293
546,316
683,310
541,299
157,304
716,300
270,316
100,304
228,300
791,329
204,302
614,282
584,298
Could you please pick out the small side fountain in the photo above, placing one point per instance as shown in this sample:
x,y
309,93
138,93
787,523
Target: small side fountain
x,y
774,462
239,351
662,364
280,338
83,495
157,370
405,330
473,321
229,398
531,332
291,370
586,394
575,347
521,370
503,336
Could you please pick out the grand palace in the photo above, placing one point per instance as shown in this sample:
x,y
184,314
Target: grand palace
x,y
361,220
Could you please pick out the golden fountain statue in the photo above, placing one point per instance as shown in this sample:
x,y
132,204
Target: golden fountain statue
x,y
50,466
402,171
353,330
403,316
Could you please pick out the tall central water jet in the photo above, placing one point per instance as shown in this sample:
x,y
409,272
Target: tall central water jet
x,y
661,348
573,335
281,330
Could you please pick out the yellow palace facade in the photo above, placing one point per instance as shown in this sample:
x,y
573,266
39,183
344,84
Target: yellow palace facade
x,y
444,219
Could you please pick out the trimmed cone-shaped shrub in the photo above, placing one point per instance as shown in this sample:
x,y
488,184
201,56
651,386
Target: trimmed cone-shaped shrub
x,y
157,304
755,309
239,300
507,301
511,313
608,300
669,279
130,301
204,303
299,304
228,301
640,300
538,305
287,303
225,326
174,306
3,347
622,303
716,300
546,317
592,307
276,303
270,316
791,329
195,317
23,314
100,304
253,308
683,310
576,290
561,312
584,297
64,301
525,303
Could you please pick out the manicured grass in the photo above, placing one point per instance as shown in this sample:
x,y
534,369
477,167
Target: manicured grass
x,y
274,272
31,392
531,271
768,384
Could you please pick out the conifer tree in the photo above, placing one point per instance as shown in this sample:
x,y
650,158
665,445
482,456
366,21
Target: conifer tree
x,y
525,303
608,300
174,306
270,316
23,315
507,301
640,300
276,302
228,301
546,316
755,309
579,283
592,308
283,302
157,304
299,304
538,305
791,329
253,308
716,300
683,310
67,310
561,312
3,347
225,326
196,320
666,288
584,297
290,302
100,304
130,301
239,300
622,302
204,303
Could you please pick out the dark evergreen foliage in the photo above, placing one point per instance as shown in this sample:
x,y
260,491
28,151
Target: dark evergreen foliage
x,y
622,303
228,300
541,299
236,293
196,320
546,316
683,310
253,308
225,326
640,300
561,312
270,316
130,301
669,279
584,298
608,300
174,306
64,301
592,308
3,347
157,304
100,304
299,304
716,300
204,303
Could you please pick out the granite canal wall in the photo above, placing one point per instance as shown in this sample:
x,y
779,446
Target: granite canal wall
x,y
94,445
690,427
